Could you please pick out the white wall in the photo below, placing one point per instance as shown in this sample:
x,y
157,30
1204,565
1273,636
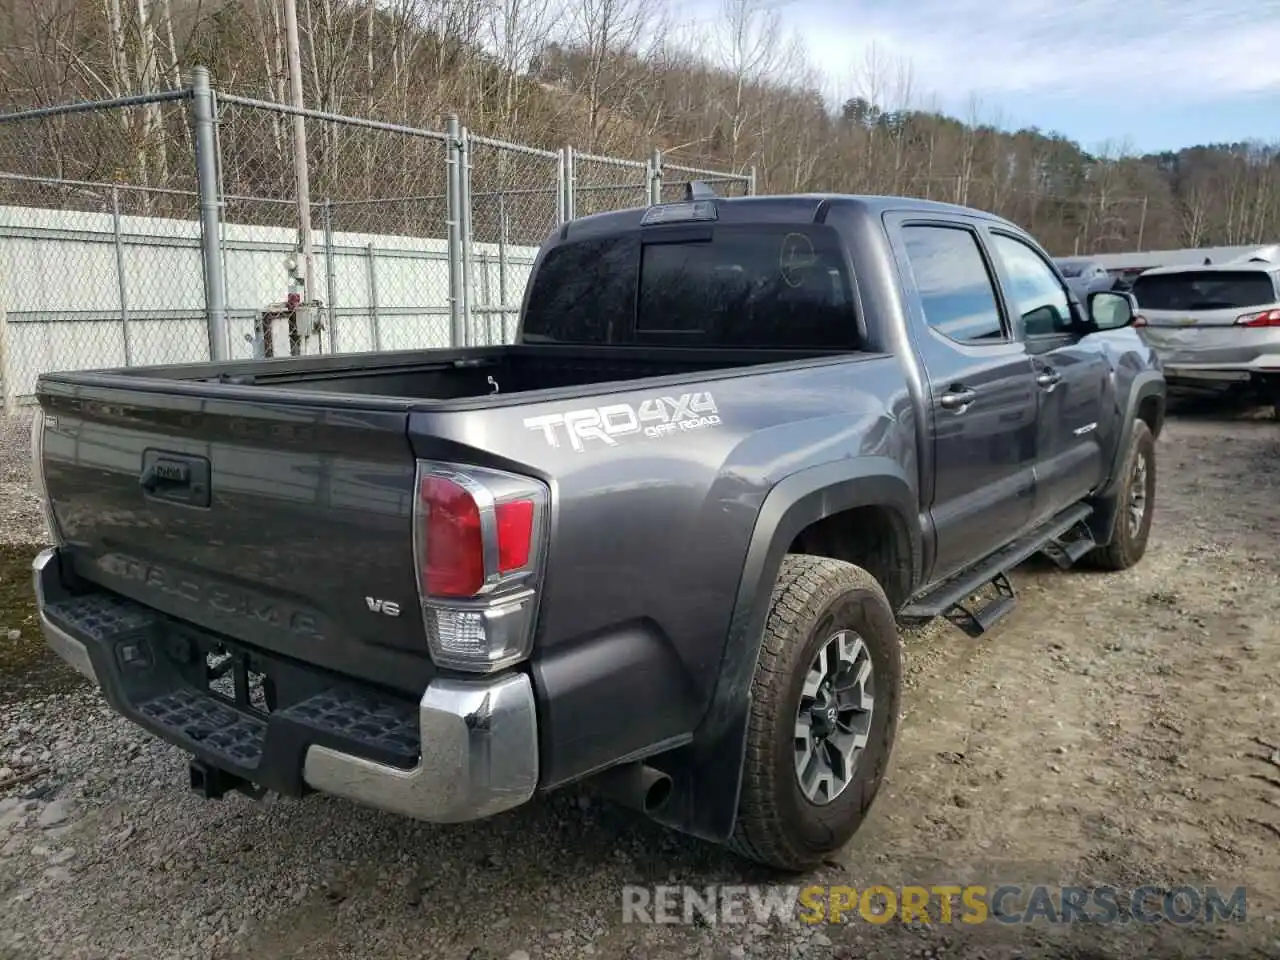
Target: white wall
x,y
60,290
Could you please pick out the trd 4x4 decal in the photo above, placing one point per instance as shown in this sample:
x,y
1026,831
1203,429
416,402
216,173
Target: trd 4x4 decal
x,y
655,417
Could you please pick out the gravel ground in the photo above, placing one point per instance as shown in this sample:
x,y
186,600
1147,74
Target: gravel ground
x,y
1115,729
20,520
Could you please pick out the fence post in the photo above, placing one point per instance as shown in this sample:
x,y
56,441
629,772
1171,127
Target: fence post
x,y
502,260
453,191
375,328
121,282
751,182
464,181
569,199
486,295
562,187
330,277
655,177
207,177
8,393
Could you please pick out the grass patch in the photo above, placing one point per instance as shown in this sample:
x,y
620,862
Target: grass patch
x,y
27,667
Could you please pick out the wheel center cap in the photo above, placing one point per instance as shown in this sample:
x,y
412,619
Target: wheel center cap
x,y
824,718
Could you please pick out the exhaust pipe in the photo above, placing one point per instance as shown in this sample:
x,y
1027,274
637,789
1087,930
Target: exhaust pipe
x,y
635,785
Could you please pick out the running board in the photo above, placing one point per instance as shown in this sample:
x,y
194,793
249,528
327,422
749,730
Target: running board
x,y
1067,550
977,622
947,598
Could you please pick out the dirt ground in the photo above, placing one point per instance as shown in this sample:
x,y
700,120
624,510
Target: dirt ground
x,y
1116,729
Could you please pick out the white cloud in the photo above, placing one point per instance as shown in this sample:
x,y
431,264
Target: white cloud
x,y
1145,52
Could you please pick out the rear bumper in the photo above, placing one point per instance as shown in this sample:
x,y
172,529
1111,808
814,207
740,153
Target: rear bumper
x,y
1258,355
1224,372
466,750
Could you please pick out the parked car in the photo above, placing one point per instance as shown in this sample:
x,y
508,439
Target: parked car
x,y
658,543
1085,276
1123,277
1215,327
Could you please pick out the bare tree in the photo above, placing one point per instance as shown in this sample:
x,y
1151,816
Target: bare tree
x,y
748,51
516,31
609,76
612,35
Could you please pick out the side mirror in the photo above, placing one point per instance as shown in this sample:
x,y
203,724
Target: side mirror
x,y
1111,309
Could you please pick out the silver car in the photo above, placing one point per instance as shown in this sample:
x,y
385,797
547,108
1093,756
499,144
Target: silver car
x,y
1084,276
1216,325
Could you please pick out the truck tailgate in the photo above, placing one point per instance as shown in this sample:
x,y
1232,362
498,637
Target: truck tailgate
x,y
281,525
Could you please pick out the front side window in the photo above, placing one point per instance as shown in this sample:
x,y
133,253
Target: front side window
x,y
1038,299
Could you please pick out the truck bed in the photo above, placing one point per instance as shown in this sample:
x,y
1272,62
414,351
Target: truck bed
x,y
291,515
460,374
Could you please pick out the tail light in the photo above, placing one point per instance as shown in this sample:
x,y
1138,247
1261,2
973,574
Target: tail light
x,y
1267,318
37,475
479,545
1139,320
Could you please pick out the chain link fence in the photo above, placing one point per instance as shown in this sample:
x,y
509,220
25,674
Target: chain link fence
x,y
180,227
672,179
100,243
516,198
367,267
600,184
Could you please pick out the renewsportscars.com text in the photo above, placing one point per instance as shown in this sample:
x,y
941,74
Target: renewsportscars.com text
x,y
940,903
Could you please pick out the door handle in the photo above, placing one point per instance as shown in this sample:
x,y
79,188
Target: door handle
x,y
958,398
1048,379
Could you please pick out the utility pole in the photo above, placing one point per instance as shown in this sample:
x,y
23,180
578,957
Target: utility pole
x,y
306,268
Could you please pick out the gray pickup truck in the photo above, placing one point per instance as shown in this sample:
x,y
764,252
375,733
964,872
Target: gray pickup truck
x,y
660,544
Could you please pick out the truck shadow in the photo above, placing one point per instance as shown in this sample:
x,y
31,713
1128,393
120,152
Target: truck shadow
x,y
1211,407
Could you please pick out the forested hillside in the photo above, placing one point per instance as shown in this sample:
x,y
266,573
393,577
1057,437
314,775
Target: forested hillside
x,y
619,77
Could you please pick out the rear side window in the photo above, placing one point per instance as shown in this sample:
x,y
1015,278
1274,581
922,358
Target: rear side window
x,y
779,286
1205,290
955,287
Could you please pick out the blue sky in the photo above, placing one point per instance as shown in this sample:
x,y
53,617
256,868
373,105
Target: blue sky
x,y
1145,74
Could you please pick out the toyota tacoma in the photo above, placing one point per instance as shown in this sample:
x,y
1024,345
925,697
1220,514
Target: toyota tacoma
x,y
661,543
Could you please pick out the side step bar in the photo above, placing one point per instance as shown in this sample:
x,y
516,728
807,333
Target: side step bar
x,y
1063,538
977,622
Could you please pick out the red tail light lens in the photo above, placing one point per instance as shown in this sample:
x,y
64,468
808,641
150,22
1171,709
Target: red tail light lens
x,y
453,534
1139,321
1268,318
477,530
453,564
515,534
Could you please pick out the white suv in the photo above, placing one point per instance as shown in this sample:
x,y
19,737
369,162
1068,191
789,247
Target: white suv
x,y
1214,325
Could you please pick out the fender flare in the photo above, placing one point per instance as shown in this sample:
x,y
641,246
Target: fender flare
x,y
1145,385
707,774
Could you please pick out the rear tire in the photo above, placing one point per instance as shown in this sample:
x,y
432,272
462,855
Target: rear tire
x,y
1137,492
835,614
1271,392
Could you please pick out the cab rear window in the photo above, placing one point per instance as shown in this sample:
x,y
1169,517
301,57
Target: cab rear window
x,y
781,286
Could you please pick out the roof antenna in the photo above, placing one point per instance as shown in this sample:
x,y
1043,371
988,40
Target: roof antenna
x,y
698,190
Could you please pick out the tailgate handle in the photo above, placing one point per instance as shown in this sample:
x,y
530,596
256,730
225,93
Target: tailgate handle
x,y
175,477
166,471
